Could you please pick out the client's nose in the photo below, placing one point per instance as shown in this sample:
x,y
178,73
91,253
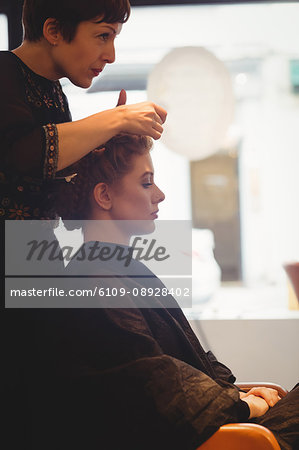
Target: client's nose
x,y
159,196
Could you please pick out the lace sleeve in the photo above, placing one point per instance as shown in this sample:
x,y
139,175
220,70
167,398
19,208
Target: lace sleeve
x,y
51,151
30,106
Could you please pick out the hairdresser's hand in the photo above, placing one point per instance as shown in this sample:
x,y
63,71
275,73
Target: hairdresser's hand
x,y
268,394
144,118
257,405
122,98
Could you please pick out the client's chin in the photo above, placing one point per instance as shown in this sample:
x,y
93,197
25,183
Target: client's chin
x,y
140,227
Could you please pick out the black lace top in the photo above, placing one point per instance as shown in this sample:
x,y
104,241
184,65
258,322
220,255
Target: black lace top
x,y
30,108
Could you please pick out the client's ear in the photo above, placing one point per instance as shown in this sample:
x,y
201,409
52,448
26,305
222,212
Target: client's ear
x,y
102,196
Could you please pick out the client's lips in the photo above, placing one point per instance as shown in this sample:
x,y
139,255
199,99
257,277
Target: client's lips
x,y
96,72
155,214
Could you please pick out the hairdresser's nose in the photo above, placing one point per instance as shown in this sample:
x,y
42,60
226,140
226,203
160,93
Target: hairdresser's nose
x,y
110,52
159,196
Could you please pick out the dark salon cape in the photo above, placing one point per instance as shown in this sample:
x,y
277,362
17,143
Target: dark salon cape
x,y
132,378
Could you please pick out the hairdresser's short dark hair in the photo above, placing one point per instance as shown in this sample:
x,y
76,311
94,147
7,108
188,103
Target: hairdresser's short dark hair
x,y
69,13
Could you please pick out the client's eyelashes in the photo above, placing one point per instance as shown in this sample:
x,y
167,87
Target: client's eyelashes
x,y
147,185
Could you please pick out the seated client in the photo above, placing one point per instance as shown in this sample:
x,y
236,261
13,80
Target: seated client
x,y
127,375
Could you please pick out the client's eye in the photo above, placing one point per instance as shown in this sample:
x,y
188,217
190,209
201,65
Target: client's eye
x,y
146,185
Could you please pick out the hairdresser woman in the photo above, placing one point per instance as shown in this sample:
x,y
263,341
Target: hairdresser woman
x,y
63,38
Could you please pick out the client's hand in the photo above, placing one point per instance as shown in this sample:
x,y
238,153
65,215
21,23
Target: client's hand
x,y
268,394
257,405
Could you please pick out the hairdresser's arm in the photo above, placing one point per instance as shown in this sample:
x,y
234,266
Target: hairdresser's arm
x,y
78,138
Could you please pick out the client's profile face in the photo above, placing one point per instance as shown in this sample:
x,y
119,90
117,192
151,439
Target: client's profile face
x,y
136,197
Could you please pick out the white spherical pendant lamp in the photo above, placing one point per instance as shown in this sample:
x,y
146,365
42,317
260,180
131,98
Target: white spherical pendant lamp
x,y
196,89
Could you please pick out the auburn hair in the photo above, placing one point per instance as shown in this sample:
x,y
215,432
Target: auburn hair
x,y
103,165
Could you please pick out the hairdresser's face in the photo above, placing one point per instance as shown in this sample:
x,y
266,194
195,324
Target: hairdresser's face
x,y
86,55
136,197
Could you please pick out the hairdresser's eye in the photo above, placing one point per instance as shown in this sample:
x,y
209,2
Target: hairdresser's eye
x,y
104,36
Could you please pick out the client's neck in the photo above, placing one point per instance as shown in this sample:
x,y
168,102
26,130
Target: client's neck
x,y
105,231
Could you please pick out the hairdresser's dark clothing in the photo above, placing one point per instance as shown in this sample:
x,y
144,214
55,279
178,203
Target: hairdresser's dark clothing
x,y
30,107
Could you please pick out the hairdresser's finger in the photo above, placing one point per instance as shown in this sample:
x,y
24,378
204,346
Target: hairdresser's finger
x,y
162,113
122,98
155,134
157,119
157,126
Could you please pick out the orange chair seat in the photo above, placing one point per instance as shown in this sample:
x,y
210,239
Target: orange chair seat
x,y
241,436
244,436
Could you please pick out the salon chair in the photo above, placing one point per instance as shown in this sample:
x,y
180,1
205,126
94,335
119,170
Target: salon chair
x,y
244,436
